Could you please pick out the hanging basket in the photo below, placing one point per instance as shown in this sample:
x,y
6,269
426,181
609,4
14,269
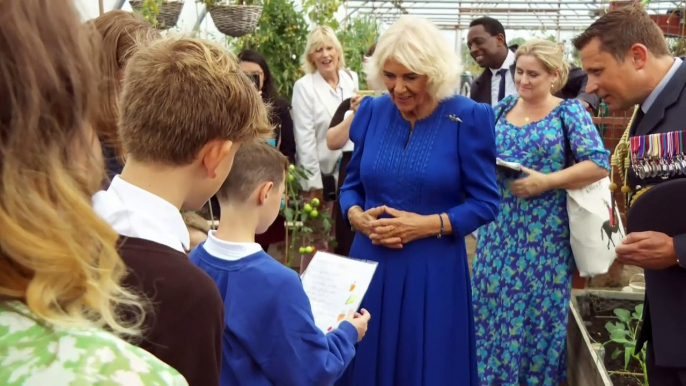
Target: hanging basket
x,y
169,12
236,20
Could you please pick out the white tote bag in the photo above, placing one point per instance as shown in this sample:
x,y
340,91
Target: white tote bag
x,y
593,234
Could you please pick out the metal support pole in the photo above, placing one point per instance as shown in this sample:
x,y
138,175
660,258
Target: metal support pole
x,y
101,6
458,42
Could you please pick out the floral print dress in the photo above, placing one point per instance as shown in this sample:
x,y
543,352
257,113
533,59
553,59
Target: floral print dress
x,y
34,353
523,266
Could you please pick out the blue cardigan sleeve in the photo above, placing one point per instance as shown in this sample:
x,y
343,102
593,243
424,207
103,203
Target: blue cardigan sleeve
x,y
477,153
280,334
352,191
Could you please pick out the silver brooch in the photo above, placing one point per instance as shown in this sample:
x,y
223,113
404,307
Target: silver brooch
x,y
454,118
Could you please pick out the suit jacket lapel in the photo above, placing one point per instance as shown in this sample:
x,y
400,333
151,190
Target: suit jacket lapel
x,y
667,97
323,92
482,87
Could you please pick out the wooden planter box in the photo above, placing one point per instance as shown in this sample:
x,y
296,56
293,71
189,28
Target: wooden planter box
x,y
585,358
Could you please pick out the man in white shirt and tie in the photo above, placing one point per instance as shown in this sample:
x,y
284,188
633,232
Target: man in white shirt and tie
x,y
487,45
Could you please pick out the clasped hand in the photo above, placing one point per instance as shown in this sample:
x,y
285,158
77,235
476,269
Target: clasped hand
x,y
403,228
532,185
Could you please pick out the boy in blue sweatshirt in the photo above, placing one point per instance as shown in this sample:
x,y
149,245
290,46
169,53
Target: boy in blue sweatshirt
x,y
270,336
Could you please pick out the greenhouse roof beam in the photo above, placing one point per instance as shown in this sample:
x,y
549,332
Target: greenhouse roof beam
x,y
561,15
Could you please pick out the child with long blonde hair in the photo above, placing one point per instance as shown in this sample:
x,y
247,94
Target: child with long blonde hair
x,y
59,269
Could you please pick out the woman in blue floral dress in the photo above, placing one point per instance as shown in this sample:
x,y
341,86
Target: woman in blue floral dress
x,y
523,267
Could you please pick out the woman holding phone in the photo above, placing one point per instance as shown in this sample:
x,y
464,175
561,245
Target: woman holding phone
x,y
255,66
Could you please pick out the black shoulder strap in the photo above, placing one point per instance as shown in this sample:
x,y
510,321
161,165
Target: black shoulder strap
x,y
570,159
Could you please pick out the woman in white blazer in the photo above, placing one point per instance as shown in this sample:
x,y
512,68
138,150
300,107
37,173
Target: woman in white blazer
x,y
316,96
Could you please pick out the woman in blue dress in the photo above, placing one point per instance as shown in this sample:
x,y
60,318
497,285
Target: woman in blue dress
x,y
523,266
421,178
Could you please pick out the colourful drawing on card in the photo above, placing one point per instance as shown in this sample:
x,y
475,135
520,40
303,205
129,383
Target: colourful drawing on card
x,y
329,329
340,317
352,286
351,299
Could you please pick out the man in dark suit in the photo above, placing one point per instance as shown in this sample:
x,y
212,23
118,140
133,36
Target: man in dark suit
x,y
486,43
628,62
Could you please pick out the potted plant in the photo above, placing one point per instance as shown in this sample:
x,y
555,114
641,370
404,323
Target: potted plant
x,y
308,222
235,19
601,335
163,14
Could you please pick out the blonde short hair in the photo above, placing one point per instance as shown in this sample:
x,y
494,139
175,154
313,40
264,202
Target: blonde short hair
x,y
417,44
321,36
182,93
551,55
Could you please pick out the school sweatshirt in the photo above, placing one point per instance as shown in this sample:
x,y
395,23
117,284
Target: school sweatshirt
x,y
270,336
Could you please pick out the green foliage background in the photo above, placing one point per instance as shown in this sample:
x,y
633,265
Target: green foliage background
x,y
282,32
281,35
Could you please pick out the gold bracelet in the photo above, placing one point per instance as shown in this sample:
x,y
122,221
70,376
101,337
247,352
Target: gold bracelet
x,y
350,212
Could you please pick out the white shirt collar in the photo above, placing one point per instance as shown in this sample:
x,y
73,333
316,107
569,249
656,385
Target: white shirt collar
x,y
346,82
509,61
227,250
661,86
135,212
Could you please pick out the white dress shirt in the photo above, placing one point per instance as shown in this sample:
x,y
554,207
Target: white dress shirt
x,y
349,146
510,88
135,212
314,104
227,250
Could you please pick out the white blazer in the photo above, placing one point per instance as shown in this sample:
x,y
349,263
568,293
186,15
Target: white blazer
x,y
314,103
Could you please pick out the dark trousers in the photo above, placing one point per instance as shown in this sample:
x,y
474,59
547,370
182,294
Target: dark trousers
x,y
663,376
344,235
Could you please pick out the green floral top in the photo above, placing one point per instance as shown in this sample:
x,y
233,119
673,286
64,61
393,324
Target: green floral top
x,y
36,354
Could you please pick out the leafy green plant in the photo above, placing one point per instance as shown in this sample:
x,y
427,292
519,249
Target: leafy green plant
x,y
356,36
307,222
149,10
322,12
625,332
280,36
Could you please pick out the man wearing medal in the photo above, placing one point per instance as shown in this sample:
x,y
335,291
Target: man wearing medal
x,y
628,63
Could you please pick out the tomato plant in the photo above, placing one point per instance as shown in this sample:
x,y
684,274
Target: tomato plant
x,y
307,222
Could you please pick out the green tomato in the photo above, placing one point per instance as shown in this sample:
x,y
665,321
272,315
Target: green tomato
x,y
291,167
291,178
314,213
315,202
309,249
302,250
307,208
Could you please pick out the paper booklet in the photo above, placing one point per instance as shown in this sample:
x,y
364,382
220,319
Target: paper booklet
x,y
336,285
